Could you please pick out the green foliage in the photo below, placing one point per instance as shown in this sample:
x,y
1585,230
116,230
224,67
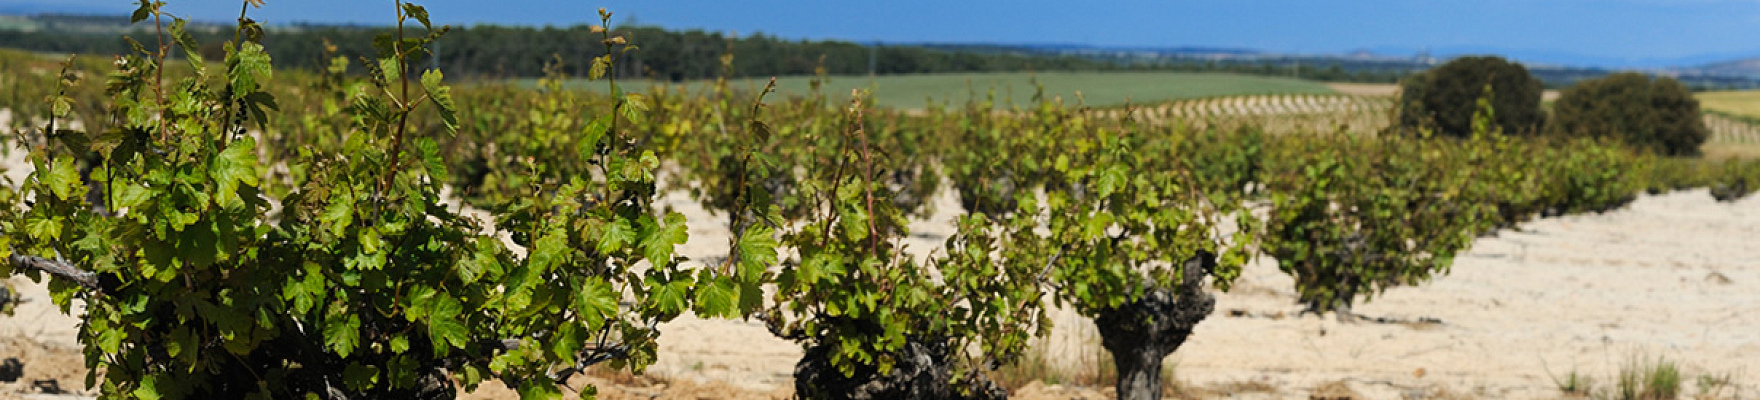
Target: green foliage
x,y
1654,114
850,286
362,281
1110,209
1574,384
1352,216
1590,176
1641,379
1442,99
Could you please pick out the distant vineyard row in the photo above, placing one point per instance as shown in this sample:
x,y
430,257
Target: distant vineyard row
x,y
1726,129
1311,112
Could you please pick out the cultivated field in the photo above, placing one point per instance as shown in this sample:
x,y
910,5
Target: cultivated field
x,y
1742,103
1094,89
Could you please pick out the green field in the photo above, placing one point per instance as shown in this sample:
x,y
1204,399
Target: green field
x,y
1098,89
17,23
1744,103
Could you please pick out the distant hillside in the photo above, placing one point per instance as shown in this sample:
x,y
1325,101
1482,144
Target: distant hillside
x,y
1749,67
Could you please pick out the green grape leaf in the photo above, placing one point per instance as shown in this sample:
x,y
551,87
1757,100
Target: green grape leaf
x,y
588,147
234,166
538,389
110,340
438,92
184,40
600,65
549,250
131,196
617,235
445,326
855,222
669,298
339,214
250,65
595,302
342,333
716,298
481,262
360,377
63,179
662,239
569,339
757,252
419,13
148,389
145,11
43,228
390,68
634,107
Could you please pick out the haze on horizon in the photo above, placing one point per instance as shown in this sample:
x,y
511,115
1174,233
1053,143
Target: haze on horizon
x,y
1609,33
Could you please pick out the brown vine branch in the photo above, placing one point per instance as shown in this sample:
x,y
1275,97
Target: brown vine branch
x,y
60,269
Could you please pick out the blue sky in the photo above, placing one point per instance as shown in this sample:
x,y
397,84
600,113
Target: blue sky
x,y
1599,31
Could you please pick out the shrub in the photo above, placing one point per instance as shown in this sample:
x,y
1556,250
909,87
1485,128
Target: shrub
x,y
1351,216
363,284
1655,114
1443,99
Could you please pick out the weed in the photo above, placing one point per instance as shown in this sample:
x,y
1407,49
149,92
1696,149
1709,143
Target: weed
x,y
1574,384
1642,379
1032,366
1092,368
1716,386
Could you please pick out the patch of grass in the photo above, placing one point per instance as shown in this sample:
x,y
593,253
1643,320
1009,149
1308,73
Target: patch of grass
x,y
1642,378
1096,89
1716,387
1094,369
1033,366
1574,384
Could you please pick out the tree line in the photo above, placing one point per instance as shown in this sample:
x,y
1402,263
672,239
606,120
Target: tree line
x,y
492,51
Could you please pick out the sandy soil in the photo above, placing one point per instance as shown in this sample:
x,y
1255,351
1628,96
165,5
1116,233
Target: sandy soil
x,y
1674,276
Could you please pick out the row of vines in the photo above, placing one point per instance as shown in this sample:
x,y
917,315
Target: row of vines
x,y
238,231
1311,112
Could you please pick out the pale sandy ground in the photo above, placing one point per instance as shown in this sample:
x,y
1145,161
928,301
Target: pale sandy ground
x,y
1674,276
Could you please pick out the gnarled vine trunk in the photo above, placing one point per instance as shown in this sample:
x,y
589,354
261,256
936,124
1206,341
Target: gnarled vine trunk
x,y
922,372
1140,334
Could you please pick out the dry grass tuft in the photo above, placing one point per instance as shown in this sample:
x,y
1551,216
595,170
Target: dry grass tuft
x,y
1335,390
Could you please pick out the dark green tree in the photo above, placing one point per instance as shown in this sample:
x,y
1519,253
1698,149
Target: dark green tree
x,y
1443,99
1654,114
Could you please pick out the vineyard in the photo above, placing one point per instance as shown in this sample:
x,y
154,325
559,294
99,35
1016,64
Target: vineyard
x,y
233,230
1284,113
1322,112
1732,129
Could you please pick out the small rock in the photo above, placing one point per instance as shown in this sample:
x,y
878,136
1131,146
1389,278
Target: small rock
x,y
11,369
